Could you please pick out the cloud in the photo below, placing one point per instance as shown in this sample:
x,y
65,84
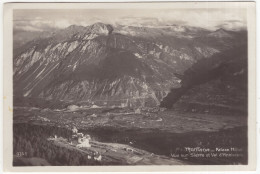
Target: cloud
x,y
63,23
232,25
40,23
209,19
205,18
28,28
38,18
33,25
138,21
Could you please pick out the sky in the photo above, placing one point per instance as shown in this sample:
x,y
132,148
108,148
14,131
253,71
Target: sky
x,y
41,20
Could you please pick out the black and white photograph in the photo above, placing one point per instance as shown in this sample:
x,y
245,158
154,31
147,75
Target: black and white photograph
x,y
130,86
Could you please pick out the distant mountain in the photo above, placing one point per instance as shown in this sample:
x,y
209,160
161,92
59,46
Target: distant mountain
x,y
122,65
159,31
23,37
220,33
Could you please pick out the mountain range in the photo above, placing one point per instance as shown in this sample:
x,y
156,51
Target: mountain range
x,y
129,65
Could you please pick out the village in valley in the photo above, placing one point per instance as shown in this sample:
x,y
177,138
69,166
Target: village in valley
x,y
107,134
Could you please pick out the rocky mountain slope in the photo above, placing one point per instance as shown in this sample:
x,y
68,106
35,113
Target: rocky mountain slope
x,y
223,77
115,65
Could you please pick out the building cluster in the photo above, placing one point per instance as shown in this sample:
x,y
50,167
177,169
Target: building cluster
x,y
82,140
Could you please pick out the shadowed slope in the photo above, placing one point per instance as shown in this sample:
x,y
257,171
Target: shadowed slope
x,y
229,66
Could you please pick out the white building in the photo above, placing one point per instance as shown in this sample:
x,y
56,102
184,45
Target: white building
x,y
83,142
75,130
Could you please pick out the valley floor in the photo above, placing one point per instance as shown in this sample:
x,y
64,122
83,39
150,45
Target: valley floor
x,y
156,137
167,120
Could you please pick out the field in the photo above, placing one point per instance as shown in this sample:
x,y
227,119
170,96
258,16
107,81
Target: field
x,y
161,135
